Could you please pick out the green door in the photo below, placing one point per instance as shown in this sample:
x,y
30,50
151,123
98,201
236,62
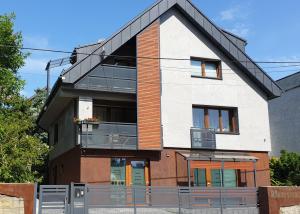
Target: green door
x,y
138,173
117,171
229,178
216,178
200,177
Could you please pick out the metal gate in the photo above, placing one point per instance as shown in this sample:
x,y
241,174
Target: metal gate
x,y
53,199
95,198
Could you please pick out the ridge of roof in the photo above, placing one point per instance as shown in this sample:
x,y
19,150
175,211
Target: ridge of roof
x,y
152,13
288,76
87,45
234,35
290,81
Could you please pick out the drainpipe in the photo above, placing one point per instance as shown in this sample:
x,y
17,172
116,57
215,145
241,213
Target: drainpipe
x,y
189,173
254,173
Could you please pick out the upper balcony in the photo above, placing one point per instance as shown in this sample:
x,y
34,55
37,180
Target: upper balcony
x,y
203,138
110,78
108,135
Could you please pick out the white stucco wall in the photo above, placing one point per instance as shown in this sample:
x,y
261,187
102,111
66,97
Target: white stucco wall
x,y
179,39
85,108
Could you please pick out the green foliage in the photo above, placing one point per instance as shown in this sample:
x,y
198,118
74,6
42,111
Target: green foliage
x,y
37,103
285,170
22,151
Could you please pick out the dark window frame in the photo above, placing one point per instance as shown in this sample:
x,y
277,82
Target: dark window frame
x,y
233,118
203,61
109,107
55,134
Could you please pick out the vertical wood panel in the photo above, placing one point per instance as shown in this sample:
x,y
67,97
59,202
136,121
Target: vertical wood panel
x,y
203,69
148,80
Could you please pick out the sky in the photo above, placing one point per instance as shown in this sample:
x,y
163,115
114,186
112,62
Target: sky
x,y
271,28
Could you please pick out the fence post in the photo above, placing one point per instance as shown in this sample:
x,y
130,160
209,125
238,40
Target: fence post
x,y
71,198
40,199
86,209
222,186
179,201
221,200
35,198
134,205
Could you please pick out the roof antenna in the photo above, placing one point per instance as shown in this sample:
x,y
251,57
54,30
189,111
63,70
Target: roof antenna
x,y
53,64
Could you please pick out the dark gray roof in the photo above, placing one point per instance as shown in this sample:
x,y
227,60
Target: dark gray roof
x,y
81,52
233,51
289,82
238,41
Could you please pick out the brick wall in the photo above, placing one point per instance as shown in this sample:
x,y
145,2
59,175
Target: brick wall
x,y
272,198
148,89
66,167
24,191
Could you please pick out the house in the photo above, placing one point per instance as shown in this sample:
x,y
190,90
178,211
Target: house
x,y
285,116
170,99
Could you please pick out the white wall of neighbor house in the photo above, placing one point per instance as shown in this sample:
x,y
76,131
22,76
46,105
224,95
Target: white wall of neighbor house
x,y
85,108
180,39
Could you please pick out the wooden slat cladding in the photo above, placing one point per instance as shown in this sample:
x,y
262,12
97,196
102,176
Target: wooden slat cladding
x,y
148,89
227,165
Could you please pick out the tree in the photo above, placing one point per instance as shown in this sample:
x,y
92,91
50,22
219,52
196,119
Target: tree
x,y
285,170
37,103
21,151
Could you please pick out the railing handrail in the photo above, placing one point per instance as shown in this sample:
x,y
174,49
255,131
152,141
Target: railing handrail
x,y
119,66
105,122
203,129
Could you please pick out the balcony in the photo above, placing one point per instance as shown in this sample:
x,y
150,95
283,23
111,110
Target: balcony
x,y
203,138
110,78
108,135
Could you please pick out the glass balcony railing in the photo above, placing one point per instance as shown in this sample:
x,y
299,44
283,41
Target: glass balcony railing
x,y
110,78
203,138
108,135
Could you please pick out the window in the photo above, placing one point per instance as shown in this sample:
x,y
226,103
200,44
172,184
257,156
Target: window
x,y
222,120
55,134
229,179
129,172
117,172
115,112
214,123
138,173
206,68
198,117
200,177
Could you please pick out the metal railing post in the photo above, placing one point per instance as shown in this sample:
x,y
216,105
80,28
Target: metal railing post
x,y
71,198
134,204
67,200
179,200
222,186
40,199
86,208
34,199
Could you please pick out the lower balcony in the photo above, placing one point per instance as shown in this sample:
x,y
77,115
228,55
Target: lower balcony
x,y
203,138
108,135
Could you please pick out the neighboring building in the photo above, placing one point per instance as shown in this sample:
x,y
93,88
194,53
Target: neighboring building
x,y
285,116
143,118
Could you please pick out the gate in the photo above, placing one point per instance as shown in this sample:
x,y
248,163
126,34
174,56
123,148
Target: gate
x,y
95,198
53,199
